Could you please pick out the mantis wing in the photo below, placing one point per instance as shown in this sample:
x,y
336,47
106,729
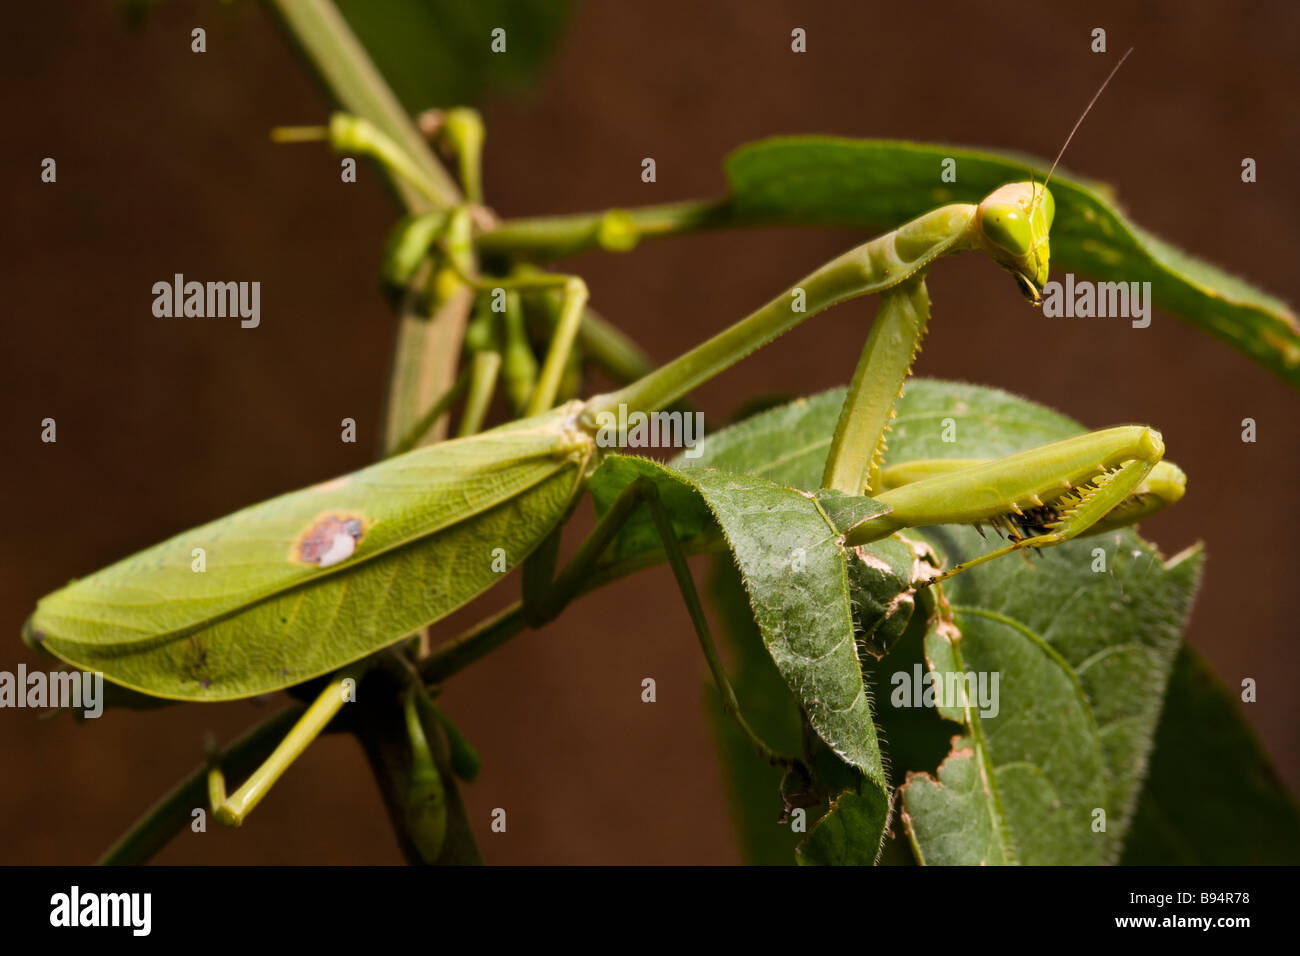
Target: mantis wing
x,y
302,584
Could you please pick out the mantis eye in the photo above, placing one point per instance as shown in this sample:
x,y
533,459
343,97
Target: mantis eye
x,y
1007,226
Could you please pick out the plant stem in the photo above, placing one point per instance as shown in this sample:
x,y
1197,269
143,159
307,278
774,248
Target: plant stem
x,y
463,129
173,811
381,735
355,134
357,84
424,363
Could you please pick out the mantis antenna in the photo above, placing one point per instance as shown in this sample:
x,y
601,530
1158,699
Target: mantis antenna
x,y
1086,110
1079,122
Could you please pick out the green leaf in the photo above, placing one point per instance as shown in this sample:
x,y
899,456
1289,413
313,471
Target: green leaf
x,y
753,785
787,546
439,52
879,184
1082,657
792,562
1211,797
882,580
951,818
304,583
788,444
850,832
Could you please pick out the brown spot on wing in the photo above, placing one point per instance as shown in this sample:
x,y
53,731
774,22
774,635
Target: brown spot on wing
x,y
325,542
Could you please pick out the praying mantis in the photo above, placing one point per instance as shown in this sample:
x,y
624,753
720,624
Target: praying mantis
x,y
319,581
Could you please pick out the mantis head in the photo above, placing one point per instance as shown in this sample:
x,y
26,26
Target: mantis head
x,y
1013,222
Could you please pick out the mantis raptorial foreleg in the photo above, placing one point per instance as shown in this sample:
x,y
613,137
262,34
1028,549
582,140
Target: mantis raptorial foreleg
x,y
1106,493
1163,485
539,608
887,358
1041,497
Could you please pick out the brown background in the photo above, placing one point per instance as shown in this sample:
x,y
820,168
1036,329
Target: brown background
x,y
164,166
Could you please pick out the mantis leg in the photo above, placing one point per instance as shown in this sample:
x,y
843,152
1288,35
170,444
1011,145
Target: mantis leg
x,y
232,810
461,129
518,364
1109,492
858,446
1042,497
352,134
1162,487
539,609
573,301
425,795
482,385
439,408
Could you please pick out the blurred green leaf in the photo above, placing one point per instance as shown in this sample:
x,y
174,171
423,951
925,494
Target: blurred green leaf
x,y
1211,797
439,52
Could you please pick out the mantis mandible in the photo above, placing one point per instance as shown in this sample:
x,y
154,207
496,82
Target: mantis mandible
x,y
315,581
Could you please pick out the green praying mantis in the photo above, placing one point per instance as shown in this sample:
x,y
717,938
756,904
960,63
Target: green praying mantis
x,y
318,581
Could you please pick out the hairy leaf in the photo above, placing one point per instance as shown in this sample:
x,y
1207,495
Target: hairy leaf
x,y
1082,656
752,784
792,561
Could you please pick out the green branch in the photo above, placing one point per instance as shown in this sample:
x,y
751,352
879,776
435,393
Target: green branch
x,y
359,87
